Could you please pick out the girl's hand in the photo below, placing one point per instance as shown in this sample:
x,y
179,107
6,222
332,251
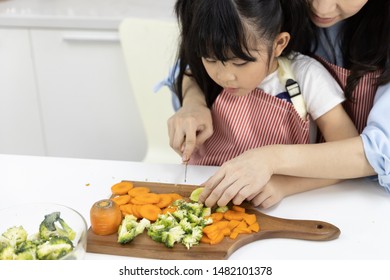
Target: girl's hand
x,y
238,179
189,128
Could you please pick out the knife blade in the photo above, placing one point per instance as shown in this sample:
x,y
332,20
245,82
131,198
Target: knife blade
x,y
185,171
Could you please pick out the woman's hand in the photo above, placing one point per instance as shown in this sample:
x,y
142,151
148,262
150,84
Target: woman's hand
x,y
238,179
192,124
188,128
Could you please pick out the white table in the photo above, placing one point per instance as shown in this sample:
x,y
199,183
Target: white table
x,y
360,208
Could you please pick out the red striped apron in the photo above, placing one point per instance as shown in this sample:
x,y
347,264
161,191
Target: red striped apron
x,y
246,122
363,95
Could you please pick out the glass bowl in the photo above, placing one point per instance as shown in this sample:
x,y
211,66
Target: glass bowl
x,y
31,215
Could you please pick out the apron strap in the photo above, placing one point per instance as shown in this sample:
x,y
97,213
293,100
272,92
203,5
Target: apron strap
x,y
286,77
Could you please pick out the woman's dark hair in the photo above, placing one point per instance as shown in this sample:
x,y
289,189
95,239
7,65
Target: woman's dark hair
x,y
221,28
365,42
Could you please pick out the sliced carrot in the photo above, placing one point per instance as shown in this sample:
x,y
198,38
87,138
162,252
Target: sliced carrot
x,y
217,239
150,211
121,187
210,228
233,235
205,239
226,231
121,199
165,200
233,215
126,208
147,198
216,216
138,190
135,200
238,208
221,224
242,224
135,209
250,218
242,230
233,223
175,196
214,234
255,227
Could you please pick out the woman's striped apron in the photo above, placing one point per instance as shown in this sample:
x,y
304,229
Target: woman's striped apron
x,y
363,95
246,122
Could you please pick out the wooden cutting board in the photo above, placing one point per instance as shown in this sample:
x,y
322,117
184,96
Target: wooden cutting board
x,y
270,227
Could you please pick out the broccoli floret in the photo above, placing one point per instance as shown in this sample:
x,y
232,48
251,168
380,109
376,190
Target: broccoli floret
x,y
180,214
54,225
26,251
194,219
173,236
6,251
194,208
55,248
142,225
206,211
15,235
159,229
192,238
186,225
130,228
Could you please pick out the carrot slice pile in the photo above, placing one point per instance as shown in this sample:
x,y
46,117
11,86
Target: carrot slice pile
x,y
141,202
231,223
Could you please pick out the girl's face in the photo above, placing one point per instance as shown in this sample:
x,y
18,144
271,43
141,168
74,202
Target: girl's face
x,y
326,13
239,77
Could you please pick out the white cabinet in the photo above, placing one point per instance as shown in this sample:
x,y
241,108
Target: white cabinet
x,y
79,99
20,119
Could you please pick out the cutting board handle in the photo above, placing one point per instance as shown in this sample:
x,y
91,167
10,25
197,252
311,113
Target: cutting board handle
x,y
297,229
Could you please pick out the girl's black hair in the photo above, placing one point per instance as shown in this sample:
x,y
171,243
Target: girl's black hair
x,y
221,29
365,42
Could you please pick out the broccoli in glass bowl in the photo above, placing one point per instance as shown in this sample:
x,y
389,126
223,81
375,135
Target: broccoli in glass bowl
x,y
42,231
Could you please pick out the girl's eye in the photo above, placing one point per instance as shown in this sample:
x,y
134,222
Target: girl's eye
x,y
241,63
210,60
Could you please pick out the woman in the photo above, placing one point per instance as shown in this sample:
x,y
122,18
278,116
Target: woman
x,y
353,36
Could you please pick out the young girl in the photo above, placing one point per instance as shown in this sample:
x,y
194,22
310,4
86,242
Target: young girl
x,y
234,51
258,175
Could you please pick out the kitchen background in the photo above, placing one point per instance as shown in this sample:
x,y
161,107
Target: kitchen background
x,y
64,87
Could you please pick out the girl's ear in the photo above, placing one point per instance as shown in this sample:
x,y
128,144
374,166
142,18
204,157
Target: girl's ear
x,y
280,43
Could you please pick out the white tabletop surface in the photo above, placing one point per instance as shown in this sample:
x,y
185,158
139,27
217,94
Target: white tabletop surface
x,y
359,208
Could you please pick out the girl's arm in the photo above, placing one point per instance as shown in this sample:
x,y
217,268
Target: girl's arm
x,y
192,124
336,125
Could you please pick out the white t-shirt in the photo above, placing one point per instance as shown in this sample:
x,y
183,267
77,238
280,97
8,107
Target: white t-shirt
x,y
319,89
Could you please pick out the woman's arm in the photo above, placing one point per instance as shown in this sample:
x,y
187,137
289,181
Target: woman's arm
x,y
246,175
281,186
342,159
376,136
192,124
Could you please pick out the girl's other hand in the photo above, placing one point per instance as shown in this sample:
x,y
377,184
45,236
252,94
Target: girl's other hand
x,y
188,128
237,180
